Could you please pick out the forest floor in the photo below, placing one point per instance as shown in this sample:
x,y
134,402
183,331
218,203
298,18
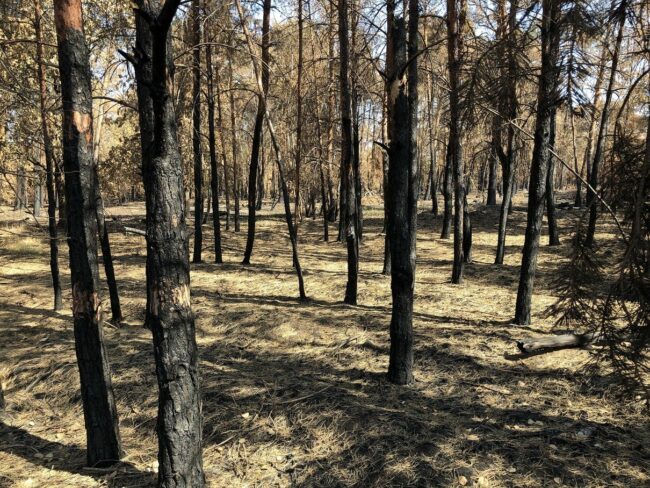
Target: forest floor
x,y
294,393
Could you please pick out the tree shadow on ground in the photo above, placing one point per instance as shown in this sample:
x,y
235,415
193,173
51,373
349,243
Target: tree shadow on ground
x,y
68,457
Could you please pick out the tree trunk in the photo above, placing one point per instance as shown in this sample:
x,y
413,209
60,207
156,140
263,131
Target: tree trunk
x,y
107,257
447,194
278,155
547,98
100,415
196,130
297,210
38,193
493,159
356,160
456,12
222,139
509,106
214,166
592,201
467,232
169,312
21,192
331,102
257,133
49,160
553,235
233,140
386,270
260,176
586,162
347,156
403,187
433,144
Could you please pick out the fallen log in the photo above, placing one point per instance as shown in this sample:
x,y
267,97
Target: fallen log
x,y
557,342
133,230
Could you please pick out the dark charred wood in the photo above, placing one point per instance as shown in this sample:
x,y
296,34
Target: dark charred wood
x,y
100,414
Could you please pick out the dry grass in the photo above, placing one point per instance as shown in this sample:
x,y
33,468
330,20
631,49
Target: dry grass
x,y
294,394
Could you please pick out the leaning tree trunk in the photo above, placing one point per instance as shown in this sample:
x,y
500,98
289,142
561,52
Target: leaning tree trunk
x,y
586,161
455,22
547,98
347,169
49,160
100,414
107,257
278,155
403,188
196,130
257,134
602,129
169,312
214,167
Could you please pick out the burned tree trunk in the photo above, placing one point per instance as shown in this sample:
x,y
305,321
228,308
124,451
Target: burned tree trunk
x,y
553,235
447,194
403,187
107,257
467,232
509,107
492,165
278,155
169,312
49,160
222,139
196,130
297,206
100,415
592,202
233,141
257,133
214,167
455,22
547,98
347,156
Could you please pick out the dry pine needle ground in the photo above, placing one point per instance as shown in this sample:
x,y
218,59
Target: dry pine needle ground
x,y
294,394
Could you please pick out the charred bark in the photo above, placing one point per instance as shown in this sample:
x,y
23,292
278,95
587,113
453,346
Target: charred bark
x,y
403,187
100,414
107,257
347,156
257,133
447,193
592,202
455,22
553,235
49,160
509,107
196,130
214,166
169,312
547,98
